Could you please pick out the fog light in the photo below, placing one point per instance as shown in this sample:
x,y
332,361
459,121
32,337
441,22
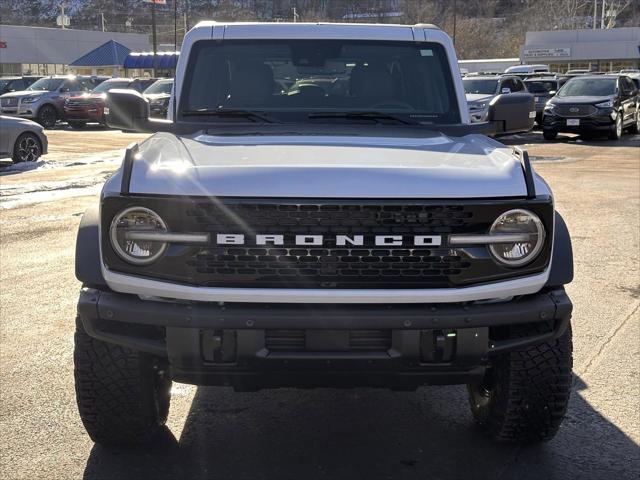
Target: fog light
x,y
519,222
136,220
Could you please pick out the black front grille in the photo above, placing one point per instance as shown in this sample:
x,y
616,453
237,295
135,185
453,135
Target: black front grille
x,y
575,110
328,265
9,102
77,103
357,340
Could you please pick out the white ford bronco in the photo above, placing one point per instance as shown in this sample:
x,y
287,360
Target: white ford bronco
x,y
319,211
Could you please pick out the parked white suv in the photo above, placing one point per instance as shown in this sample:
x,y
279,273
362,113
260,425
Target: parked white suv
x,y
318,210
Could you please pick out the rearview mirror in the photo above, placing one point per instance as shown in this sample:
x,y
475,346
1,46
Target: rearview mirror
x,y
512,113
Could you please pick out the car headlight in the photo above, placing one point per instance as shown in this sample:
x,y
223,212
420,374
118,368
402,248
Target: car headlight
x,y
607,104
132,232
549,106
29,99
521,252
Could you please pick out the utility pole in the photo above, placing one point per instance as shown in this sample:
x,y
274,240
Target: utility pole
x,y
455,14
62,14
175,25
155,40
295,15
604,3
595,13
103,22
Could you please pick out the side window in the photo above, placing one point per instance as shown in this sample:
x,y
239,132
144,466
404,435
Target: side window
x,y
518,86
69,86
506,86
16,86
85,84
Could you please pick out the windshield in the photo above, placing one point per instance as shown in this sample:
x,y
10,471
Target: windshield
x,y
590,87
485,86
47,84
162,86
541,86
305,78
108,85
4,83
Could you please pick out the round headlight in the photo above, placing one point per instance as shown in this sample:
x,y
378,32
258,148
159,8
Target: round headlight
x,y
522,252
126,229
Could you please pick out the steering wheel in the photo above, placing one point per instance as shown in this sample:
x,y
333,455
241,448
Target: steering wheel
x,y
392,104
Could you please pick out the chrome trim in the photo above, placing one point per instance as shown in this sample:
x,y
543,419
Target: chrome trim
x,y
167,237
156,288
488,239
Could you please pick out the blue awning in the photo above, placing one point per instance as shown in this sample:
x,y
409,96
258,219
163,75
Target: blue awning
x,y
108,54
145,60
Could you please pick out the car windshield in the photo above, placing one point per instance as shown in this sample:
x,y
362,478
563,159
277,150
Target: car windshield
x,y
314,79
162,86
590,87
541,86
4,83
47,84
109,85
485,86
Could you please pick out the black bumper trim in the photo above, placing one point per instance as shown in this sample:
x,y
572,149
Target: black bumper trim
x,y
119,307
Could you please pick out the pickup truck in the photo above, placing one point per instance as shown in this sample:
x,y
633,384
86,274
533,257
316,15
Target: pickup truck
x,y
318,210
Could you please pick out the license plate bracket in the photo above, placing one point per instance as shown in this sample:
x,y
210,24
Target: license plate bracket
x,y
573,122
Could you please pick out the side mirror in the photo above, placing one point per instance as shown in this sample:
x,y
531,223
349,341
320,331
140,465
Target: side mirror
x,y
512,113
126,110
129,110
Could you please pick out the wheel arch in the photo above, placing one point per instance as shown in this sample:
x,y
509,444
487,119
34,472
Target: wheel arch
x,y
562,258
88,262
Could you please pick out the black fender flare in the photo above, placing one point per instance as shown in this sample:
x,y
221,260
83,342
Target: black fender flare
x,y
88,261
562,260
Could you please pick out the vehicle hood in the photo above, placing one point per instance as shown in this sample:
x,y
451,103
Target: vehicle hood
x,y
435,166
25,122
25,93
156,96
581,100
478,97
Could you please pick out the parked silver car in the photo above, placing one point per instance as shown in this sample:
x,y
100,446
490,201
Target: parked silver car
x,y
22,139
43,101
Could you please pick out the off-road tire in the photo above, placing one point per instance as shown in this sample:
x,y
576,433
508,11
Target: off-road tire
x,y
525,393
549,134
76,125
47,116
122,394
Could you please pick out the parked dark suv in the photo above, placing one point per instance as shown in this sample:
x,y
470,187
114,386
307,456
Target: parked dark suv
x,y
542,89
592,105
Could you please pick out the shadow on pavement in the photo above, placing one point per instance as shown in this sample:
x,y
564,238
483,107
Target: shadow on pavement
x,y
368,434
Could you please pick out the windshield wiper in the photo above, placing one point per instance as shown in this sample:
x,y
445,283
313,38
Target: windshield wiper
x,y
248,114
375,116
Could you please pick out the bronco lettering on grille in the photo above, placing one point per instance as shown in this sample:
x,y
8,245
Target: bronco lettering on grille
x,y
340,240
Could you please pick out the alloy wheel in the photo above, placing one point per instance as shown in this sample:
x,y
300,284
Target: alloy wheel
x,y
28,149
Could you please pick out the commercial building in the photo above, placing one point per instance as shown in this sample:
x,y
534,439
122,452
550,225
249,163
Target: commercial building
x,y
48,51
600,49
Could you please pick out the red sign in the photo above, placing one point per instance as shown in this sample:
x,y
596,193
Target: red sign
x,y
3,44
157,2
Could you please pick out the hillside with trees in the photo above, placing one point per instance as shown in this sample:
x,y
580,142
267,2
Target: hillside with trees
x,y
482,28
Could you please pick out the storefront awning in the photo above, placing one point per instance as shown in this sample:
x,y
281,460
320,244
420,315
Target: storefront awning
x,y
165,60
110,54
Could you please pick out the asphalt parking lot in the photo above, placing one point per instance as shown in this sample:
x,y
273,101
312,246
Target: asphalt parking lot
x,y
326,433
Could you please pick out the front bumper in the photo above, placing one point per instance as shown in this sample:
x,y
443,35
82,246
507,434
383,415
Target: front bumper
x,y
228,344
601,123
85,114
